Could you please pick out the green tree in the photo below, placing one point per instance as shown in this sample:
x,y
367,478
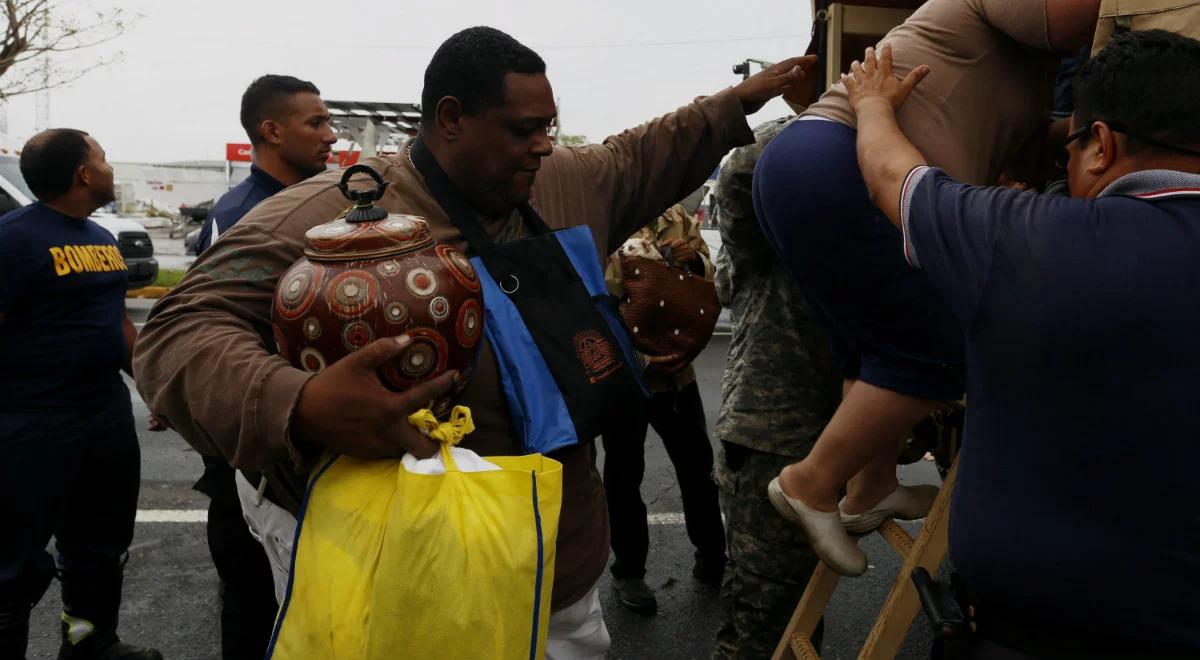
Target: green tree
x,y
572,140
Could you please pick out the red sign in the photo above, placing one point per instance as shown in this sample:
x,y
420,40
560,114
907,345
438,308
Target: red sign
x,y
238,153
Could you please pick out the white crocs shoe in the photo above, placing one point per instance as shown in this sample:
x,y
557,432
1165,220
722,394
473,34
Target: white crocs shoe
x,y
824,530
905,503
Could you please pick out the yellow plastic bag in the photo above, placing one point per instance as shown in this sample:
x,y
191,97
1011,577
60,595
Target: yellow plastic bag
x,y
395,564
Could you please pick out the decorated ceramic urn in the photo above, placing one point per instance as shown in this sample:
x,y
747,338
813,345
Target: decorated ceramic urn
x,y
372,274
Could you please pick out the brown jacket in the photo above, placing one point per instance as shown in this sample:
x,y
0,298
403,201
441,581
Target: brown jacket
x,y
205,361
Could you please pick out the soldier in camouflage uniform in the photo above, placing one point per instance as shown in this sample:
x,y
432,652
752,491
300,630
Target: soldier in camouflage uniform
x,y
780,387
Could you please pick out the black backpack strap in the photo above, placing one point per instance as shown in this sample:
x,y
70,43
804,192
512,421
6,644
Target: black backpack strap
x,y
461,213
532,219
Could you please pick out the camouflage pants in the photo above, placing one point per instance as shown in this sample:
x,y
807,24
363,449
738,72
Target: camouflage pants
x,y
769,558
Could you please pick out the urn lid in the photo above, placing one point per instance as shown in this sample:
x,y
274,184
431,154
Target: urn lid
x,y
342,240
366,231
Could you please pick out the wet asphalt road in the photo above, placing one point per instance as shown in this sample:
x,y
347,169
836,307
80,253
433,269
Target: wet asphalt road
x,y
170,596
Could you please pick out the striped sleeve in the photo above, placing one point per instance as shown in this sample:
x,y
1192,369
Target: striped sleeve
x,y
915,176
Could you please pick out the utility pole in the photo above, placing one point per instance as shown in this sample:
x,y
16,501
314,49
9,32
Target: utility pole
x,y
41,118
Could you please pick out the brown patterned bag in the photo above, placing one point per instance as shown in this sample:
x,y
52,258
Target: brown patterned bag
x,y
668,309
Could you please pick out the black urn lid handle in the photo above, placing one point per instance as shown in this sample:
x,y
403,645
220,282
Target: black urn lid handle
x,y
364,200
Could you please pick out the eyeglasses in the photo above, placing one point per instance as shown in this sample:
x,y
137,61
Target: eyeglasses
x,y
1064,156
1116,127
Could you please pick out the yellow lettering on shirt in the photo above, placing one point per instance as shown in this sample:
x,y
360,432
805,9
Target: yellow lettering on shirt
x,y
117,258
60,261
73,258
87,259
100,257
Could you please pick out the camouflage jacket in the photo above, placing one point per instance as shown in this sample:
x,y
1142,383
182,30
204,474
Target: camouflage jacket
x,y
780,384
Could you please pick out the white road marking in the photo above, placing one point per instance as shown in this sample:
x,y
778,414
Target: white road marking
x,y
172,515
201,515
665,519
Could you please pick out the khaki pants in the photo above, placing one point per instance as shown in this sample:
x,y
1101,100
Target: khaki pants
x,y
273,527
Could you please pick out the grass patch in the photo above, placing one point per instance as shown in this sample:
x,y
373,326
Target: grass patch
x,y
169,276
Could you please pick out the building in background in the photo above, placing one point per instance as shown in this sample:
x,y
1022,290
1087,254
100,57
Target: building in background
x,y
164,187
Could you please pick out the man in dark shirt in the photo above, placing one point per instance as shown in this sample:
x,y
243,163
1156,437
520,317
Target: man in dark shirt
x,y
292,139
1072,522
69,455
289,128
676,413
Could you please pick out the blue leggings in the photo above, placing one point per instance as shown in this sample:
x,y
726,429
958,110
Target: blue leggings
x,y
890,327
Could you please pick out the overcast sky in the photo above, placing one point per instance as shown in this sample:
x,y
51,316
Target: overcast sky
x,y
174,95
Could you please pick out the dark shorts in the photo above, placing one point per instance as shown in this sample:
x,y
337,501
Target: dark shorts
x,y
890,327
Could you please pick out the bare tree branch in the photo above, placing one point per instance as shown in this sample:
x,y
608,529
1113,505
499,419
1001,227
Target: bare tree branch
x,y
60,77
35,32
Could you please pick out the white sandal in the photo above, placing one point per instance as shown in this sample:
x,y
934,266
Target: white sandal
x,y
904,503
824,530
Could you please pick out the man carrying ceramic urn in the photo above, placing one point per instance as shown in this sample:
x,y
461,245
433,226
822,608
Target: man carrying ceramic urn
x,y
487,105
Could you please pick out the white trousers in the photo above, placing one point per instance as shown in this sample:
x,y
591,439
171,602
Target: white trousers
x,y
273,527
576,632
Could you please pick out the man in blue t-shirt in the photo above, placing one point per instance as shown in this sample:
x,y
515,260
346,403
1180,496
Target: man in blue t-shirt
x,y
289,128
1073,521
69,455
